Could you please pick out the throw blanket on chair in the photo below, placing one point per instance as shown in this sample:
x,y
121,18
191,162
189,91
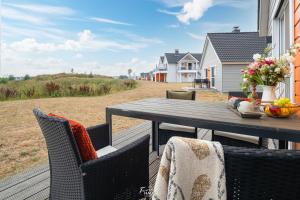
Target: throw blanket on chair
x,y
191,169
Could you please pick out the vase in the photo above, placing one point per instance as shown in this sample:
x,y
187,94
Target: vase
x,y
268,95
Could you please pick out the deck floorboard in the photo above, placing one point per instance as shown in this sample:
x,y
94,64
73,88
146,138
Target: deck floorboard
x,y
35,183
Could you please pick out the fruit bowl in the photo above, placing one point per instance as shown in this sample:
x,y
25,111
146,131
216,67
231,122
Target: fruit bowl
x,y
281,111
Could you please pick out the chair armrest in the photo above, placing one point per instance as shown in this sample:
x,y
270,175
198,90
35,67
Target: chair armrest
x,y
122,172
99,135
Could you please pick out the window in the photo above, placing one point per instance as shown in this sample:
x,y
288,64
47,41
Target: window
x,y
190,66
284,43
206,73
212,69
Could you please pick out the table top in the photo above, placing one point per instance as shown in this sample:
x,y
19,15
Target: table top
x,y
210,115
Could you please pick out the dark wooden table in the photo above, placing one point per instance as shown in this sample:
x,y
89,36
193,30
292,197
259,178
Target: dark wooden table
x,y
208,115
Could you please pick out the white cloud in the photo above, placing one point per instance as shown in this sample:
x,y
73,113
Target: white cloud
x,y
86,41
44,9
173,26
193,10
109,21
14,14
196,36
168,12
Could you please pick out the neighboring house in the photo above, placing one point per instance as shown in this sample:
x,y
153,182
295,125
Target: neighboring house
x,y
225,54
177,67
147,76
280,19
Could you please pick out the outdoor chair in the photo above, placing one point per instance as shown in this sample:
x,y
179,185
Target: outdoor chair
x,y
234,139
261,173
167,130
117,174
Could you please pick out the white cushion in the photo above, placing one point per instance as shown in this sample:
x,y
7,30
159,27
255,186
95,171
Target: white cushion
x,y
246,138
175,127
105,150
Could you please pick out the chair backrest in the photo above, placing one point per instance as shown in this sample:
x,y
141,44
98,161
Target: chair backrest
x,y
179,94
261,173
64,157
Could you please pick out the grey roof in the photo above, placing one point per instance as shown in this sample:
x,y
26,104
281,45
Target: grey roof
x,y
237,47
173,58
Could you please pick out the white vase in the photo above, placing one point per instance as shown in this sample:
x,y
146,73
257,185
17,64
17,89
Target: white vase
x,y
268,95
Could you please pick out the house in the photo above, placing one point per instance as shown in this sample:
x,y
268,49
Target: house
x,y
280,19
177,67
147,76
225,54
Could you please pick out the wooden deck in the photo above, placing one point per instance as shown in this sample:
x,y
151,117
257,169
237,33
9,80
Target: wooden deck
x,y
34,183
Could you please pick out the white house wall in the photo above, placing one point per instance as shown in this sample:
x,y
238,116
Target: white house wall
x,y
172,70
209,58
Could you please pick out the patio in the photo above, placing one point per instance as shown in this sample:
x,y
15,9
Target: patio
x,y
35,183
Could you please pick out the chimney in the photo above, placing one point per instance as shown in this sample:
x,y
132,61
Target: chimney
x,y
176,51
236,29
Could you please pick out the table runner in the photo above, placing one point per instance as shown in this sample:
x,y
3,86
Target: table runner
x,y
191,169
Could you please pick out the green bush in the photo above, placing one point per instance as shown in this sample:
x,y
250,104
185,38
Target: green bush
x,y
62,85
3,80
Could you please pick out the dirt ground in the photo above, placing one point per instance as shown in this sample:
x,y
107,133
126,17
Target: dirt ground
x,y
21,142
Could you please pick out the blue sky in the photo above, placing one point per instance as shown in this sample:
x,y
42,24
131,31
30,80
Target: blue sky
x,y
109,36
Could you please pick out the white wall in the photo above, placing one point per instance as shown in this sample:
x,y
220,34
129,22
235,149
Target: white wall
x,y
172,70
210,58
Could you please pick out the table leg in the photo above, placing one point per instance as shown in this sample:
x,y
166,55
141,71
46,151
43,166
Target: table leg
x,y
153,136
283,144
109,122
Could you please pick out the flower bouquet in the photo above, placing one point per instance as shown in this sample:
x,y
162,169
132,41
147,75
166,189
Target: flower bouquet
x,y
267,72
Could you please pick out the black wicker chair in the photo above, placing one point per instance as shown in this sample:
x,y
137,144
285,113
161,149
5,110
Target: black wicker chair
x,y
261,174
233,139
166,130
116,175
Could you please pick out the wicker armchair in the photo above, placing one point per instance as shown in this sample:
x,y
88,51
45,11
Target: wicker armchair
x,y
166,130
116,175
261,174
239,140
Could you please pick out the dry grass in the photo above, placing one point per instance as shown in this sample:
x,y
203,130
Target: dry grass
x,y
21,142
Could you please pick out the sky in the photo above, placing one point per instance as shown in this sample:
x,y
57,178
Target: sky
x,y
110,36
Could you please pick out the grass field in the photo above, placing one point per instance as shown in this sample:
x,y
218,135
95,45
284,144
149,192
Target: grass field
x,y
62,85
21,142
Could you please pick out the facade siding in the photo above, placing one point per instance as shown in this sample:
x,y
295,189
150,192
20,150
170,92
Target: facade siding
x,y
232,77
209,58
172,71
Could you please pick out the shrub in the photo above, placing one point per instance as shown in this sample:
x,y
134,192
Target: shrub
x,y
29,92
26,77
11,78
72,91
9,92
105,89
130,83
85,90
3,80
52,88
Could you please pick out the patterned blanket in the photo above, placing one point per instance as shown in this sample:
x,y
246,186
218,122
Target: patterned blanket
x,y
191,169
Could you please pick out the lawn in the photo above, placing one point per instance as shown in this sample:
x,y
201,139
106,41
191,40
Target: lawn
x,y
21,142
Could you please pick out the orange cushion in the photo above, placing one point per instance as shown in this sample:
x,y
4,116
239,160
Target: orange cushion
x,y
84,143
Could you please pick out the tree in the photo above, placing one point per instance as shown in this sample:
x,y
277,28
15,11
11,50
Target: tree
x,y
11,77
91,75
129,72
72,70
26,77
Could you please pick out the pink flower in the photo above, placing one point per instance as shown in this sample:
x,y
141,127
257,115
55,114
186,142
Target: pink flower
x,y
251,71
242,71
